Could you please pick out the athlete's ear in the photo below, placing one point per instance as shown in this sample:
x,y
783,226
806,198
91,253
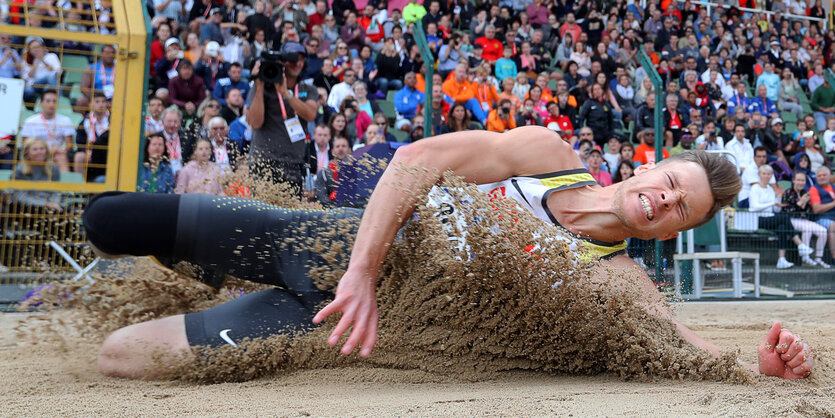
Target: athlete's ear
x,y
671,235
644,167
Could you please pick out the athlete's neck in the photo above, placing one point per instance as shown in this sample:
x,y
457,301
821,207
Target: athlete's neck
x,y
590,212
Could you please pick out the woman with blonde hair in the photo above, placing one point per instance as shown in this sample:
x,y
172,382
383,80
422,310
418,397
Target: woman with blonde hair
x,y
36,165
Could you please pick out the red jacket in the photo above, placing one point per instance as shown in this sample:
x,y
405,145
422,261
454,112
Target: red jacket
x,y
493,48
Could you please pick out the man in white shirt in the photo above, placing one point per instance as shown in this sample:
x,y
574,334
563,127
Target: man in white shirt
x,y
57,130
153,122
751,176
342,90
225,155
741,149
175,138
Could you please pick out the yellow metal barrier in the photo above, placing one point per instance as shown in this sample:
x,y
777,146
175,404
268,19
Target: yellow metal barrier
x,y
35,213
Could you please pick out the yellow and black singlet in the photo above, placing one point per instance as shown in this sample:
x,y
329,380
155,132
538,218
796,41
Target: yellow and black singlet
x,y
532,193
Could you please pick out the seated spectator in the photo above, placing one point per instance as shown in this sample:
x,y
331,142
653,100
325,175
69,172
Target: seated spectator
x,y
233,105
596,113
186,90
829,136
823,104
460,89
318,152
501,118
35,165
505,66
595,161
822,198
91,140
211,65
775,141
199,128
225,153
751,177
100,77
612,154
625,170
557,122
177,141
407,100
763,201
363,104
153,119
485,89
240,133
342,90
685,144
156,175
40,69
491,47
787,99
762,103
327,178
527,115
507,93
797,203
809,144
382,122
55,129
166,67
233,81
645,153
522,87
200,175
741,149
373,135
389,71
457,120
194,48
357,120
10,62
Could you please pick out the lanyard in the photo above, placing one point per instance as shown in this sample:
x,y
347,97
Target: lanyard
x,y
173,147
105,81
482,93
48,130
281,100
93,132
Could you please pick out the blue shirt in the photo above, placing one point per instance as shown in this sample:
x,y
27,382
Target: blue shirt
x,y
7,68
505,68
102,76
406,101
163,179
223,85
772,84
765,108
738,100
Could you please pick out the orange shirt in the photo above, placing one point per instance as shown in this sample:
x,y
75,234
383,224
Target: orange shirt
x,y
514,101
421,83
486,95
497,124
815,197
460,92
646,154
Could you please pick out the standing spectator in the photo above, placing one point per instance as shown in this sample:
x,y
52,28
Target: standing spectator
x,y
597,114
55,129
186,90
234,80
274,115
501,119
595,161
211,30
823,104
763,200
40,69
388,69
413,12
155,175
797,203
91,142
200,175
351,33
211,65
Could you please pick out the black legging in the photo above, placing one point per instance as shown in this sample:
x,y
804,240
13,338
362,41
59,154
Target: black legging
x,y
247,239
781,224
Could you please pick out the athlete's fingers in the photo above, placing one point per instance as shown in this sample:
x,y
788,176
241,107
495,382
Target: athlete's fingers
x,y
357,334
333,307
795,348
805,369
370,335
800,358
344,323
772,336
786,340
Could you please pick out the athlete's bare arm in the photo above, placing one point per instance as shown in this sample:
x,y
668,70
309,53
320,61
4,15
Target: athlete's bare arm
x,y
782,353
477,156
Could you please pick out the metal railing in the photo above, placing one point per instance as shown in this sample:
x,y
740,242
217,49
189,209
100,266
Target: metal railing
x,y
709,6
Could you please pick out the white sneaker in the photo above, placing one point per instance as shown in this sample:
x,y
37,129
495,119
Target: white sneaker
x,y
820,262
804,250
807,261
782,263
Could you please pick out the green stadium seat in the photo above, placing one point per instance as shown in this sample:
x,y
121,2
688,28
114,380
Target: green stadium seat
x,y
387,108
400,136
70,177
552,85
76,118
74,67
75,91
25,114
785,184
390,96
788,117
5,175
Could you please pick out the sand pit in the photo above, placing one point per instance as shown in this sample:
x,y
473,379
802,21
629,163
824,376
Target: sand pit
x,y
43,382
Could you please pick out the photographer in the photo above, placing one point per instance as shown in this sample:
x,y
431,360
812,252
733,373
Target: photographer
x,y
279,109
449,55
501,118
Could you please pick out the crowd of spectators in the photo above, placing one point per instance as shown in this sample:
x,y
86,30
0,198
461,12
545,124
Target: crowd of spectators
x,y
746,77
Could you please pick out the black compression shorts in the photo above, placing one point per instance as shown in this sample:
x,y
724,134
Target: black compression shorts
x,y
247,239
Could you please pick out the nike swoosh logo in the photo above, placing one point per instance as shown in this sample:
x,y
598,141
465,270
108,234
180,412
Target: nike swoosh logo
x,y
225,335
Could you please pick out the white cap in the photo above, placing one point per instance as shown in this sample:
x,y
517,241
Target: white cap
x,y
212,48
172,41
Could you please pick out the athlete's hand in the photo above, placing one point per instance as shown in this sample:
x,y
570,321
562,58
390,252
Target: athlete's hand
x,y
783,354
356,298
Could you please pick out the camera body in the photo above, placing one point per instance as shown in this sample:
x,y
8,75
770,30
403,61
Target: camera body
x,y
272,65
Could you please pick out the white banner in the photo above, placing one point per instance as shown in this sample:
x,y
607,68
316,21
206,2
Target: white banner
x,y
11,97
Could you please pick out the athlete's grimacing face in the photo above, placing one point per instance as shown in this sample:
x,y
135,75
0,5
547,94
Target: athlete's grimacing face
x,y
660,201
